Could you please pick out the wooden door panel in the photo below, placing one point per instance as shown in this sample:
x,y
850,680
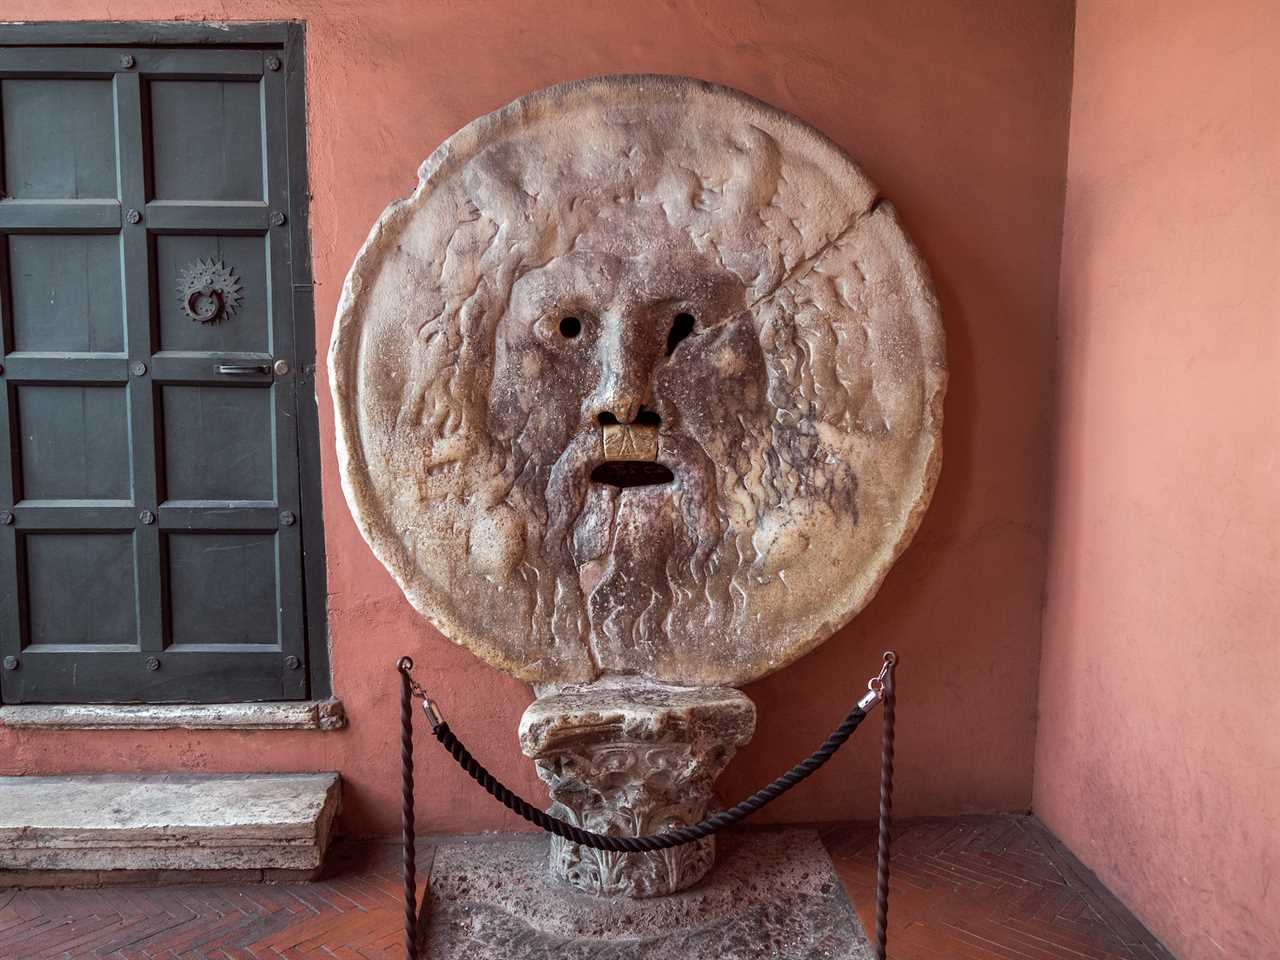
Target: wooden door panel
x,y
65,293
59,139
243,608
217,443
246,327
80,590
74,442
206,139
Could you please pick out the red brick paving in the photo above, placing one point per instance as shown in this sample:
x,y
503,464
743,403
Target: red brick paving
x,y
971,888
987,888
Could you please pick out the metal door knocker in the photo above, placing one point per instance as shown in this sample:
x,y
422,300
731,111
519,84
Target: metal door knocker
x,y
209,291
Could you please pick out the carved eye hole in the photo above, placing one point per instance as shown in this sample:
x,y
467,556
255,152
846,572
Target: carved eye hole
x,y
681,327
570,327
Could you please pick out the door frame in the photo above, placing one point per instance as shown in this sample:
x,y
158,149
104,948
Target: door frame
x,y
290,38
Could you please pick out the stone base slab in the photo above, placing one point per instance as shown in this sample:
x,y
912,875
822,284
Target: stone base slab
x,y
772,894
72,825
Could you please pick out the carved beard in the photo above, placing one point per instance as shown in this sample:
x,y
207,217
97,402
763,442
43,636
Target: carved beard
x,y
621,569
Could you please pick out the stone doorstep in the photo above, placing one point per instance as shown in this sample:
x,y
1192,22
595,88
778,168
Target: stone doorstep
x,y
87,828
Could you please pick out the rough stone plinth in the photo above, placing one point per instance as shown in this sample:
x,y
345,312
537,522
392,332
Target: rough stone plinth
x,y
773,894
630,758
167,822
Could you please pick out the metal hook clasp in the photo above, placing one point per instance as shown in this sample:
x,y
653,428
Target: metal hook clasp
x,y
432,712
876,685
405,665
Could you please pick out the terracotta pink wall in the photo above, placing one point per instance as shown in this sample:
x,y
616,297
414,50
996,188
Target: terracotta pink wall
x,y
1158,759
959,111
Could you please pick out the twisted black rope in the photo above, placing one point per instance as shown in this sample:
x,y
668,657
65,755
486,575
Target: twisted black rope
x,y
882,688
659,841
886,815
406,811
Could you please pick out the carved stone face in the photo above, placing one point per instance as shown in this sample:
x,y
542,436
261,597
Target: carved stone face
x,y
641,380
605,322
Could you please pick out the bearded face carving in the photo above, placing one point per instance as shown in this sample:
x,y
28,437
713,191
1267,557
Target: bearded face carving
x,y
643,379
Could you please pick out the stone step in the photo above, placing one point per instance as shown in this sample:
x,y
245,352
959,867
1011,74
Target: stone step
x,y
277,824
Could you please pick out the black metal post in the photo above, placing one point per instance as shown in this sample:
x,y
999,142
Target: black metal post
x,y
406,811
886,813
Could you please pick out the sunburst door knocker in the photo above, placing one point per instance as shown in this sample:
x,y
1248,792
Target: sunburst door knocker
x,y
209,291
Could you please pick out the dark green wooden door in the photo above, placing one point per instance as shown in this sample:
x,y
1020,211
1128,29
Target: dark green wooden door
x,y
151,544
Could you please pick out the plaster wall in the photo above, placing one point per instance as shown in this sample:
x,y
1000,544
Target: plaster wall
x,y
958,110
1158,756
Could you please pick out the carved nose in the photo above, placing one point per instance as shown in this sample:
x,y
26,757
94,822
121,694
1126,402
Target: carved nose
x,y
626,368
617,401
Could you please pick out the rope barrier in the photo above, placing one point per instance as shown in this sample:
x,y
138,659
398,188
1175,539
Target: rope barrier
x,y
657,841
672,838
880,689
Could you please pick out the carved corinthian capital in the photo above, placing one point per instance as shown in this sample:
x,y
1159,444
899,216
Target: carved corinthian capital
x,y
630,759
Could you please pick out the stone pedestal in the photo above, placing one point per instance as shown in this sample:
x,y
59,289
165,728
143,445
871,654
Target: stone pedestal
x,y
773,894
629,758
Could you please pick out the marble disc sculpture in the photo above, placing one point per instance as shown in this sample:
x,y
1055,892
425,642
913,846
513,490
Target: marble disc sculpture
x,y
644,380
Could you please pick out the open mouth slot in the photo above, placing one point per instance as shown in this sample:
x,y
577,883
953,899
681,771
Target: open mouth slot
x,y
632,473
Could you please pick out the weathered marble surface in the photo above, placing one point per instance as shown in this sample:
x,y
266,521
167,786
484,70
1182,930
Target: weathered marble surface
x,y
167,821
773,895
628,758
284,715
688,264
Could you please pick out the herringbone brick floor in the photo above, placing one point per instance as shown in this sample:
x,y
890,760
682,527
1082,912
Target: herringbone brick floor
x,y
971,888
987,888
